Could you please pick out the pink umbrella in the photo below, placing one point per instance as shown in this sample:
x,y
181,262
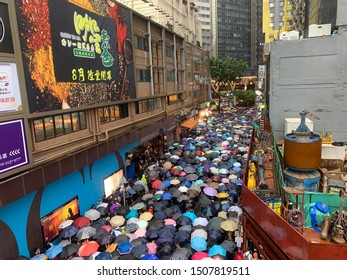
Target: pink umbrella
x,y
210,191
152,247
141,232
170,222
107,227
199,256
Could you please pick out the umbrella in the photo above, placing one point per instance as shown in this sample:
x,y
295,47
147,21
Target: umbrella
x,y
192,193
181,236
142,223
53,251
156,183
183,220
167,232
214,223
107,227
131,227
88,248
111,247
81,221
217,250
152,234
199,256
180,254
132,214
192,177
122,210
147,196
85,232
69,250
198,243
117,221
190,215
199,232
66,223
139,251
200,221
229,225
165,249
209,211
124,248
102,210
160,215
99,232
113,208
170,222
229,245
210,191
138,206
68,231
106,239
64,242
122,238
103,256
92,214
151,257
222,195
166,196
155,224
147,216
141,232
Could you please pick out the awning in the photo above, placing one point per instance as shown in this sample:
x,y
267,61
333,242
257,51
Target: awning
x,y
190,123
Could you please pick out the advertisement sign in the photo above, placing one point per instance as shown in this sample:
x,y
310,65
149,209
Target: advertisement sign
x,y
6,44
50,223
75,55
13,148
10,99
86,40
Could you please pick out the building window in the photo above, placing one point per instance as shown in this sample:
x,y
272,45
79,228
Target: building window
x,y
169,51
197,93
148,105
172,99
112,113
170,75
141,43
53,126
143,75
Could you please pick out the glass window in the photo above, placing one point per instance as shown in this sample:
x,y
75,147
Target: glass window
x,y
83,122
112,113
59,128
75,121
49,127
39,130
67,123
106,114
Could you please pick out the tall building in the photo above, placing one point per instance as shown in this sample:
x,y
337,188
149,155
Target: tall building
x,y
204,16
180,16
236,31
277,18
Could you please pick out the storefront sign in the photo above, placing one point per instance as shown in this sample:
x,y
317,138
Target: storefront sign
x,y
10,99
13,148
84,39
6,44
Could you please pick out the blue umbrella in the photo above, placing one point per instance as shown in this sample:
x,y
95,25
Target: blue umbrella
x,y
166,196
190,215
69,231
103,256
54,251
183,221
124,248
151,257
217,250
132,214
198,243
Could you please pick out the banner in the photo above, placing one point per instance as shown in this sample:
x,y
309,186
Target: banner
x,y
75,55
13,149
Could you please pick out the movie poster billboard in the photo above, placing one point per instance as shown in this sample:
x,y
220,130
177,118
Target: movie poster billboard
x,y
75,53
13,148
6,44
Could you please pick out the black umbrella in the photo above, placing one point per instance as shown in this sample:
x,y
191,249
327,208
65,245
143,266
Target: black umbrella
x,y
139,240
152,234
99,232
106,239
159,206
229,245
155,224
181,236
165,250
209,211
160,215
187,228
214,223
99,223
121,238
139,251
183,220
69,231
69,250
122,210
167,232
103,211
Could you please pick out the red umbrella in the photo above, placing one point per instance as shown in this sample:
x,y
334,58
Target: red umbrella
x,y
81,221
156,183
199,256
88,248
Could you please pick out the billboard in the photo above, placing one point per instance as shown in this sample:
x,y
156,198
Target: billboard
x,y
50,223
75,56
10,99
6,44
13,148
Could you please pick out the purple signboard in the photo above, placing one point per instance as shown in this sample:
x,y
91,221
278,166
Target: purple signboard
x,y
13,148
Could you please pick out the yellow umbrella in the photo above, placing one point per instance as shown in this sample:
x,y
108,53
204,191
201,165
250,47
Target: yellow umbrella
x,y
229,225
147,216
223,215
111,248
117,221
222,195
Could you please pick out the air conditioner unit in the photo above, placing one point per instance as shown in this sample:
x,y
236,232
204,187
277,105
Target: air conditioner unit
x,y
317,30
291,35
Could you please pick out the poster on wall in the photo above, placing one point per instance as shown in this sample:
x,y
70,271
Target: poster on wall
x,y
75,53
6,44
50,223
10,99
13,148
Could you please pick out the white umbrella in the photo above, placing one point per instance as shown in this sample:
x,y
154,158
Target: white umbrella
x,y
92,214
66,223
200,221
103,204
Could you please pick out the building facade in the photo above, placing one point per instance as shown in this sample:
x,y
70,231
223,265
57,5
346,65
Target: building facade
x,y
80,90
204,16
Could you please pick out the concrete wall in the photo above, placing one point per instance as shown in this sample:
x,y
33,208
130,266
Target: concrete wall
x,y
310,74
